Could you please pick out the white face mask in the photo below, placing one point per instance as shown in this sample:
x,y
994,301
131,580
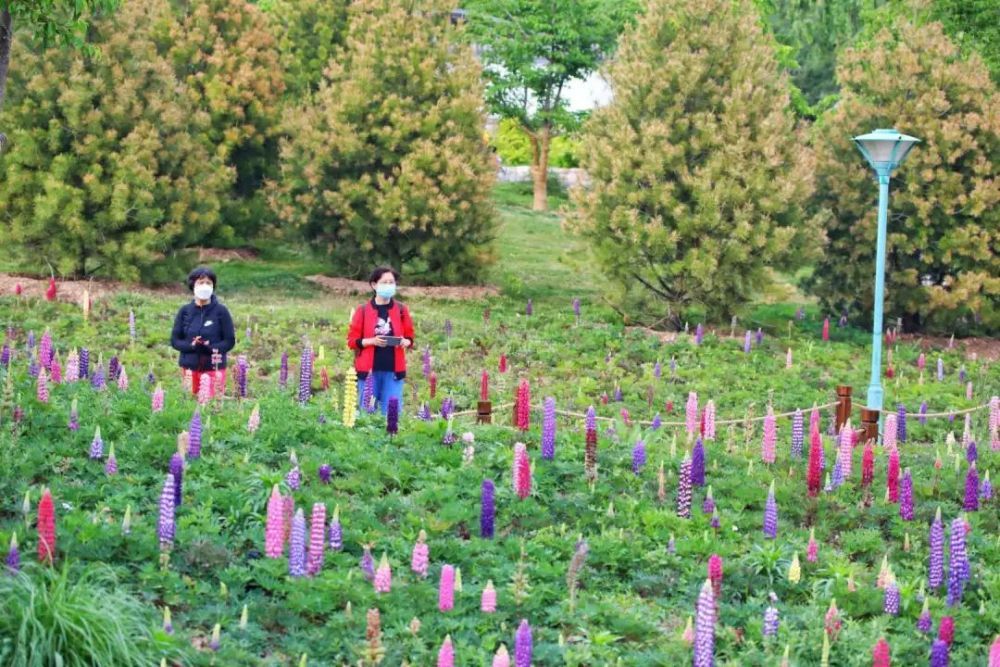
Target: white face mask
x,y
203,292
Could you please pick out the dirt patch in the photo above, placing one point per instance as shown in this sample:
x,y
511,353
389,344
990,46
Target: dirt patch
x,y
449,292
226,254
984,349
72,291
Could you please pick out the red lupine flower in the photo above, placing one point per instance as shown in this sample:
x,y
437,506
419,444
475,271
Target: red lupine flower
x,y
46,528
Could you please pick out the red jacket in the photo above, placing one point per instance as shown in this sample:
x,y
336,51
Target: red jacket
x,y
363,326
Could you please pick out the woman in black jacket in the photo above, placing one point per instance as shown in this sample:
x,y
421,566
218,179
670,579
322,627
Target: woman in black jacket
x,y
204,333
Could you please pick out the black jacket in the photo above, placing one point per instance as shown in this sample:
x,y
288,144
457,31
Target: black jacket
x,y
213,323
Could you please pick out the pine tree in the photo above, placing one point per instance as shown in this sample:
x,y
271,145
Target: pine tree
x,y
309,32
698,169
944,209
386,162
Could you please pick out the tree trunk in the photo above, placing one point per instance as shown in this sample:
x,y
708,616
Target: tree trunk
x,y
6,38
540,142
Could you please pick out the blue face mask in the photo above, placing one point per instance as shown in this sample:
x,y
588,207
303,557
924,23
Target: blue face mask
x,y
385,291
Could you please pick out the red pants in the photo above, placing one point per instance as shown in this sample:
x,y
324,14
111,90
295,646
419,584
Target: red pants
x,y
197,377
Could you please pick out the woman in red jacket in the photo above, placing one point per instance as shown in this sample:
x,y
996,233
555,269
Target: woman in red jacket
x,y
381,332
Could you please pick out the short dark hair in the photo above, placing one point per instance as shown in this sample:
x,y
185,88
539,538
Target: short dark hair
x,y
201,272
380,271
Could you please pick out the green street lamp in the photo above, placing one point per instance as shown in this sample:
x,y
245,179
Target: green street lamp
x,y
885,150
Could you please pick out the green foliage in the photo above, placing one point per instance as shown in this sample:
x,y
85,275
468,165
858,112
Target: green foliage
x,y
514,147
309,32
387,163
698,170
107,173
942,268
75,616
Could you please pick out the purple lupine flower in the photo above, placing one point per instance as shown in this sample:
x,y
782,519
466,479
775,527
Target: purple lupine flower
x,y
5,356
698,463
194,436
671,545
297,546
760,336
447,329
31,339
367,564
324,473
549,429
971,453
426,358
447,408
936,558
906,496
771,618
150,378
97,380
958,563
618,394
838,472
657,422
111,465
747,343
294,476
890,600
368,395
166,527
798,436
529,308
177,471
673,366
699,333
487,512
708,505
986,488
771,514
940,369
961,375
283,372
684,489
922,418
901,423
249,333
939,653
242,371
114,368
972,489
590,423
925,622
74,417
657,370
522,645
84,363
842,322
13,560
392,416
576,309
424,414
97,445
638,457
704,627
305,374
336,532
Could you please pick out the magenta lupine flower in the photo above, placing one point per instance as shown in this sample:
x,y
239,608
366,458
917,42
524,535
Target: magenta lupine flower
x,y
770,437
684,489
324,473
446,654
55,371
549,429
771,514
906,496
420,558
798,436
97,445
317,539
45,349
771,618
704,627
242,373
891,430
274,530
709,420
958,563
940,369
890,600
935,543
13,560
814,420
194,436
392,416
42,389
901,422
283,372
529,308
336,531
446,589
166,527
638,457
157,400
691,414
939,653
84,363
367,563
972,489
488,600
487,512
111,465
522,645
747,343
698,463
297,546
305,374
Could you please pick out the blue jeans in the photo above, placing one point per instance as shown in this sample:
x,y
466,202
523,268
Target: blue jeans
x,y
386,387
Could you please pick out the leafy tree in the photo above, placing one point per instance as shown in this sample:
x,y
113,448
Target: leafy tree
x,y
531,49
309,33
943,245
386,162
698,172
53,22
106,174
514,147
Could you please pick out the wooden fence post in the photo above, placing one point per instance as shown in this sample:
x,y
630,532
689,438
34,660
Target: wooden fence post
x,y
484,412
843,405
869,422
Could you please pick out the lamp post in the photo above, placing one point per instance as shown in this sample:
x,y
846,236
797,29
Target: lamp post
x,y
885,150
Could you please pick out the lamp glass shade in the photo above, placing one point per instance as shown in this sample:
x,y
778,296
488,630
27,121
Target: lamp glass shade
x,y
885,148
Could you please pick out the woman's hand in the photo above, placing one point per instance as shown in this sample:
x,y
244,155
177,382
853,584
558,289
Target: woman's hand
x,y
377,341
405,343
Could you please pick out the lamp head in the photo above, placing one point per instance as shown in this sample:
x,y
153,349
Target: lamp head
x,y
885,149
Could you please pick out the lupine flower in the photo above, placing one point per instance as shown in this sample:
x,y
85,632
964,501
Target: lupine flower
x,y
392,416
297,546
813,547
216,641
795,569
746,343
698,463
523,466
798,436
925,621
368,400
523,645
684,489
638,457
528,310
985,488
484,386
891,430
114,368
97,445
936,559
815,471
940,369
111,465
704,633
502,365
939,654
771,618
715,575
336,531
5,356
972,489
961,374
691,414
194,436
446,654
890,604
305,374
995,653
708,505
767,451
166,526
846,457
880,654
868,465
971,453
383,576
122,379
367,563
487,510
958,563
425,359
906,497
446,589
892,476
420,559
42,390
832,622
317,539
447,328
549,429
242,373
488,601
502,658
657,370
946,630
294,476
84,371
771,514
55,371
274,531
826,329
922,414
283,372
